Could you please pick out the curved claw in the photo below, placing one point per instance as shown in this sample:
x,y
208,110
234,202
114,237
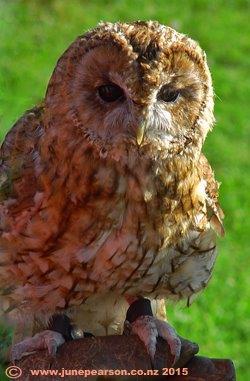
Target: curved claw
x,y
148,328
169,334
49,340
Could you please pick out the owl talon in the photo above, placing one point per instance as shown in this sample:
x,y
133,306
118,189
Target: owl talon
x,y
52,347
169,334
49,340
149,328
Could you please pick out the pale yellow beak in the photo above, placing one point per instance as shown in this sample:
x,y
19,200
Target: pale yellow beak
x,y
140,133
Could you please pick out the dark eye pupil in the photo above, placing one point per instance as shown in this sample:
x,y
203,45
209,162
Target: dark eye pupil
x,y
110,93
167,94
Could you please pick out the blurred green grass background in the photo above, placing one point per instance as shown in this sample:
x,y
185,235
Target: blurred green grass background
x,y
33,34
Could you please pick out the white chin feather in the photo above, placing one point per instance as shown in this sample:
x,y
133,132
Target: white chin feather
x,y
167,138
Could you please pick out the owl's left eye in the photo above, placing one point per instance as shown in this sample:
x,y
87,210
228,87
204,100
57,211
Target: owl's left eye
x,y
168,94
110,93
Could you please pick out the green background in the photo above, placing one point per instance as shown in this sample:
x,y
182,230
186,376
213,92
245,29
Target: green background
x,y
33,34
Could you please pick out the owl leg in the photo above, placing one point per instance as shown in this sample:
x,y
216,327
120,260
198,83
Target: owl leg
x,y
140,321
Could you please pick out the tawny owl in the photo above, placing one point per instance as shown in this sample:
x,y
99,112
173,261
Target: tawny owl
x,y
106,198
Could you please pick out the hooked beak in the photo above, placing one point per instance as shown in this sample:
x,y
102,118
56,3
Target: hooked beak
x,y
140,132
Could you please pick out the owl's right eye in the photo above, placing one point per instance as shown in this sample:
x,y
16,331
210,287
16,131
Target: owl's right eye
x,y
167,94
110,93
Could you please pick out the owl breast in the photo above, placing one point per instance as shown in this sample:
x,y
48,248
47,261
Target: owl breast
x,y
125,220
109,227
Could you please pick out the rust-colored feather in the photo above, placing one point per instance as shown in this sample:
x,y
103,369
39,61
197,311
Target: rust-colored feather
x,y
87,214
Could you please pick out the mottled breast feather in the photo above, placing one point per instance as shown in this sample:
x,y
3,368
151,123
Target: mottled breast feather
x,y
88,212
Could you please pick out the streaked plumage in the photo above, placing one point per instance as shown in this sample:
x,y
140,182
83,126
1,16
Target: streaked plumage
x,y
88,216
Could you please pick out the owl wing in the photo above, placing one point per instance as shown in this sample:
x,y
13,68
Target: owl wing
x,y
193,258
18,180
18,186
215,214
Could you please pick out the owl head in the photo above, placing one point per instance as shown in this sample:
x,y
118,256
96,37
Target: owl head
x,y
140,84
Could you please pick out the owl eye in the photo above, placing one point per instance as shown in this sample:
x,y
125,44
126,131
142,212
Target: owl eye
x,y
110,93
167,94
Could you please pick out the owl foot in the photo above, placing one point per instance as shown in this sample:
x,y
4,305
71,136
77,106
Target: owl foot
x,y
140,321
48,339
59,330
